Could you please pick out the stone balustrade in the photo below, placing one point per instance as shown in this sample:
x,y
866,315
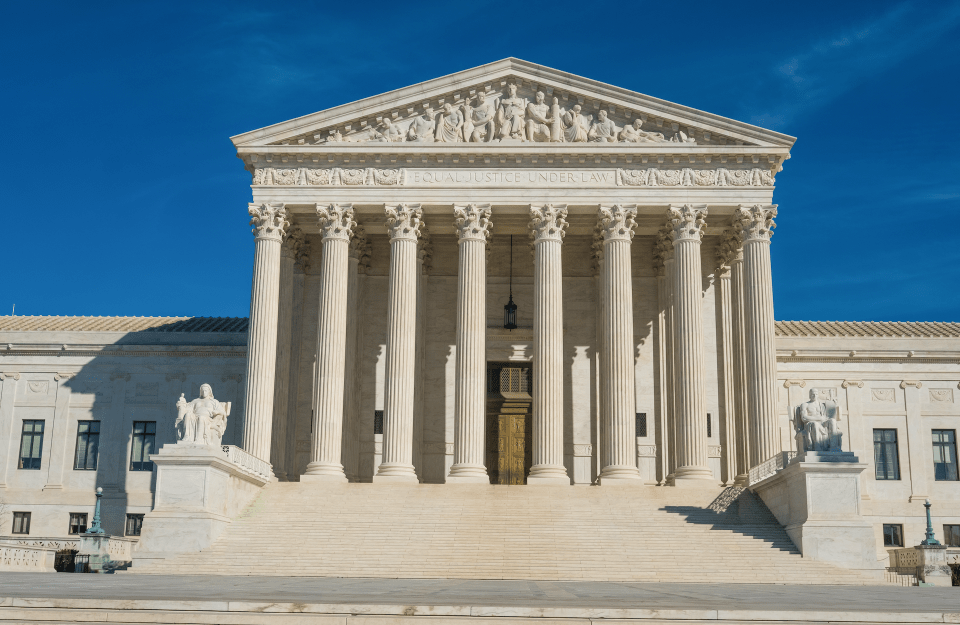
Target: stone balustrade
x,y
26,558
251,463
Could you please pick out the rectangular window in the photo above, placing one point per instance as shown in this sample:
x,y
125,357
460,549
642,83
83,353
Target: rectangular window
x,y
709,426
78,522
951,535
31,445
134,525
378,422
21,523
945,455
886,456
144,442
892,535
88,446
641,424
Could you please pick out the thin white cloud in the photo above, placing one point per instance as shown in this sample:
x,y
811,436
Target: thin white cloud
x,y
831,66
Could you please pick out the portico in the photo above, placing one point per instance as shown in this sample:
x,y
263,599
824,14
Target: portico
x,y
647,335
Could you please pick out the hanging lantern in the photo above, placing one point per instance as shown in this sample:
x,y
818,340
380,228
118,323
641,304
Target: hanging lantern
x,y
510,309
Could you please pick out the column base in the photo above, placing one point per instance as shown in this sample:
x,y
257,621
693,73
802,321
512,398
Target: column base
x,y
694,476
396,473
619,474
323,472
467,479
280,475
741,480
324,477
464,473
548,475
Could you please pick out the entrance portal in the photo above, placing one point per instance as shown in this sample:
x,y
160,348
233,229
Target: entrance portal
x,y
509,422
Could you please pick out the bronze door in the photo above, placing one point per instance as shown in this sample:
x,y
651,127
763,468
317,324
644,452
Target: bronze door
x,y
509,422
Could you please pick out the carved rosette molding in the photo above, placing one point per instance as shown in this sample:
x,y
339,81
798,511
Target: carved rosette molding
x,y
688,221
268,220
756,222
403,221
336,221
548,222
688,177
913,383
473,222
334,176
617,222
883,394
789,383
941,395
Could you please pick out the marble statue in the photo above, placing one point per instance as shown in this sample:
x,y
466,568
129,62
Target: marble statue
x,y
388,132
576,125
538,120
633,134
816,423
423,127
681,137
203,420
479,124
603,130
450,126
510,116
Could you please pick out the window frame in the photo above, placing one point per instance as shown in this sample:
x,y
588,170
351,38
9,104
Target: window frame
x,y
876,456
81,528
640,425
898,531
950,447
87,437
21,516
38,460
955,532
138,518
144,464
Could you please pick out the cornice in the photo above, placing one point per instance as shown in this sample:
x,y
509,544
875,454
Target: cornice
x,y
200,351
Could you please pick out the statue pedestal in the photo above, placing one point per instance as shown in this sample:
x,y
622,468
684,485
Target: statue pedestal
x,y
817,500
933,569
200,488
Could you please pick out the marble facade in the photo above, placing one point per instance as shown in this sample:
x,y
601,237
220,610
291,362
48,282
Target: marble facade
x,y
388,233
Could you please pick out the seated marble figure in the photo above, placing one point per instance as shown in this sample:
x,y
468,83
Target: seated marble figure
x,y
817,424
203,420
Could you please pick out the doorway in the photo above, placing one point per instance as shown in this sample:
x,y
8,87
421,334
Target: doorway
x,y
509,422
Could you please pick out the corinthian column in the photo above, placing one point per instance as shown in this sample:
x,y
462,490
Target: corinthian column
x,y
351,400
336,226
756,227
281,392
547,224
617,369
469,416
688,223
403,225
269,222
726,251
741,401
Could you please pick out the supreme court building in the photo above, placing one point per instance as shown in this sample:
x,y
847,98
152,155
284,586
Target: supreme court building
x,y
508,275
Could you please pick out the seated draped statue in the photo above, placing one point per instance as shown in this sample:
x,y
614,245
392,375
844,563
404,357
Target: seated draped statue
x,y
450,125
478,122
538,119
576,125
510,116
816,423
423,127
603,130
388,132
633,134
203,420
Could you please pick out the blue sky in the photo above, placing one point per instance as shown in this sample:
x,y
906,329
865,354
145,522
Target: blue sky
x,y
123,194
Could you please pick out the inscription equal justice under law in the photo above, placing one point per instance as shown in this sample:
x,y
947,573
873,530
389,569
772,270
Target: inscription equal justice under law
x,y
539,177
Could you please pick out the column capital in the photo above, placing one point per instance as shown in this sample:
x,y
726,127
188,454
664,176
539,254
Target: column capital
x,y
301,256
730,249
662,249
687,221
269,220
617,222
425,248
360,245
293,242
473,222
548,222
403,221
596,248
756,222
336,221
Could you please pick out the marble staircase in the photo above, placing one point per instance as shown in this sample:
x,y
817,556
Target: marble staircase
x,y
639,534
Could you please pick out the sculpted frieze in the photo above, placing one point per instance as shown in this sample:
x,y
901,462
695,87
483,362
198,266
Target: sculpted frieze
x,y
650,177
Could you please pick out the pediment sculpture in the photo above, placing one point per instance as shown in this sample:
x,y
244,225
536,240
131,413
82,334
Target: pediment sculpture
x,y
817,424
203,420
496,117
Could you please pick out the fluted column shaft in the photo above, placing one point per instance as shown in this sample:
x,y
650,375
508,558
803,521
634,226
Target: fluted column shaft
x,y
351,400
688,222
744,438
336,226
281,395
469,409
619,388
269,221
727,420
548,224
403,224
756,223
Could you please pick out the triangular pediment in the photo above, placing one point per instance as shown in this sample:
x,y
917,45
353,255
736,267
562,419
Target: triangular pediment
x,y
490,105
